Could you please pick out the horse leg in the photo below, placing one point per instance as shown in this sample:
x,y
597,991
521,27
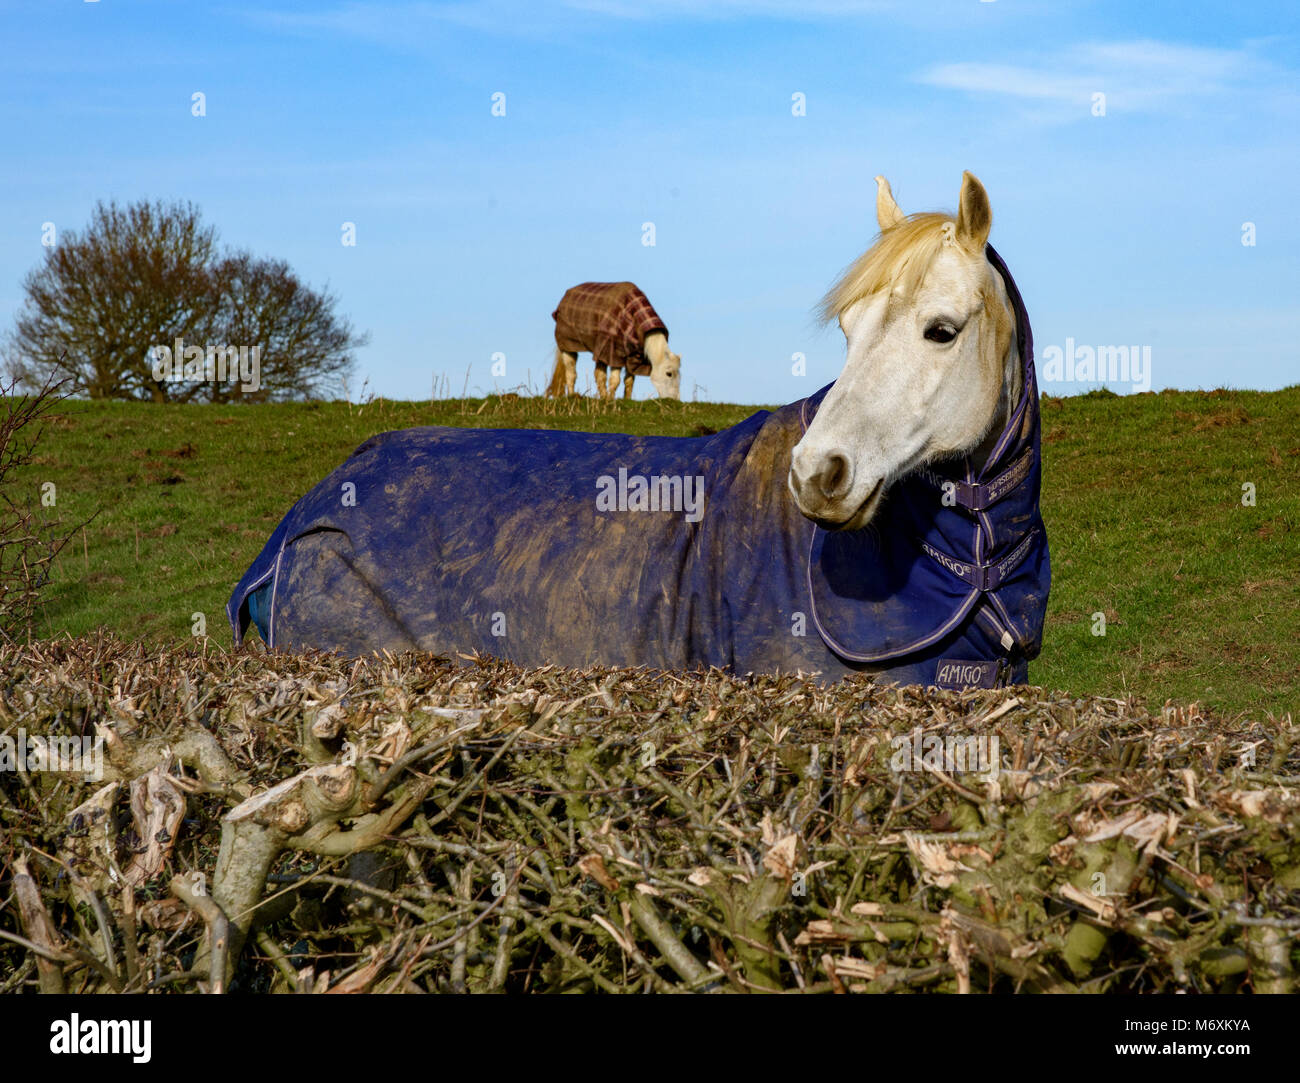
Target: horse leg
x,y
570,363
627,383
600,380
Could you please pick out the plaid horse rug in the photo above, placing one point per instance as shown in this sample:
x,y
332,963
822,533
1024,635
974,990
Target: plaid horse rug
x,y
610,321
578,548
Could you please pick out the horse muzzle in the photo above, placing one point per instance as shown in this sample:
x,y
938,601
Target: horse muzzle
x,y
824,489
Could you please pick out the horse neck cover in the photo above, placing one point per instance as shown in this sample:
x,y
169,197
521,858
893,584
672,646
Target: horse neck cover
x,y
580,548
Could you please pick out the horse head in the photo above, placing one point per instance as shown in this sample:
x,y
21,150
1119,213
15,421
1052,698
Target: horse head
x,y
665,367
932,359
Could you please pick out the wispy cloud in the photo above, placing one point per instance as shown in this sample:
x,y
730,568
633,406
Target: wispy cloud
x,y
1135,76
728,9
407,22
398,21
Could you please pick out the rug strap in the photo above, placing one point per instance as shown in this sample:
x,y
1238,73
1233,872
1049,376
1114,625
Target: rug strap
x,y
983,577
983,495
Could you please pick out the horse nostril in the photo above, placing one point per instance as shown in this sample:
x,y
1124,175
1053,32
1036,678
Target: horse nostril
x,y
835,476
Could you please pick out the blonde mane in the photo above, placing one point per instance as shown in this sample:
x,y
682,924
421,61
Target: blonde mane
x,y
899,260
900,257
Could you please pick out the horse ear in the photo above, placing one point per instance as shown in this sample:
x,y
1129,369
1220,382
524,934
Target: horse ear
x,y
887,212
974,217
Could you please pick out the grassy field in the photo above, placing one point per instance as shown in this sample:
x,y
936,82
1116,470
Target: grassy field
x,y
1142,495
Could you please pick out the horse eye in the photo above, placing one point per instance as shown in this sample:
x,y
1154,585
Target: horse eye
x,y
940,332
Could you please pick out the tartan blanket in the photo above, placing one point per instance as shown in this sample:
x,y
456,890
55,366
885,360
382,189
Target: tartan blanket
x,y
576,548
608,320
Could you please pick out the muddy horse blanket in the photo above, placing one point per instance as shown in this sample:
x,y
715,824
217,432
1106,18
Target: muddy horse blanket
x,y
610,321
577,548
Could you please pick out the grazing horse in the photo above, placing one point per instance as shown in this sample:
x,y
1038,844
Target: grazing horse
x,y
887,524
617,325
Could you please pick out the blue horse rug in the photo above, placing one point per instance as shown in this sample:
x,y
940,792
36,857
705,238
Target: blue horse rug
x,y
577,549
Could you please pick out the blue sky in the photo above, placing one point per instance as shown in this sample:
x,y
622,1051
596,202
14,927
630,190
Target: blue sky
x,y
1121,229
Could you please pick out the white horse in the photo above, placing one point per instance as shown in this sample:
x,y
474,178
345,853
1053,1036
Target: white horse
x,y
933,365
936,403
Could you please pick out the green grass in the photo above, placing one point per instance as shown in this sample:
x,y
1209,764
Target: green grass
x,y
1142,496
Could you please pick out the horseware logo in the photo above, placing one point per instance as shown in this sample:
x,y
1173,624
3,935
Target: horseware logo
x,y
979,497
1016,555
1000,486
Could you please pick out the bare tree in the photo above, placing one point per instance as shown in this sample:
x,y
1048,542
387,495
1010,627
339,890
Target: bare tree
x,y
304,348
137,277
142,277
29,541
